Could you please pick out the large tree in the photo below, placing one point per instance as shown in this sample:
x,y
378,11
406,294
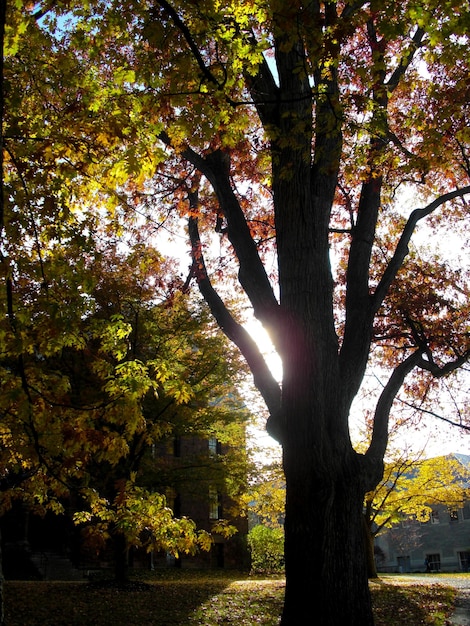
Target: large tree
x,y
325,127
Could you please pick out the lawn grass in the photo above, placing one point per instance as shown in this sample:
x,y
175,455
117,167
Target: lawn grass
x,y
204,599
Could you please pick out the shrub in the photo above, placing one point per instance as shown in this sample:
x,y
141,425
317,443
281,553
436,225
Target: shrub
x,y
267,549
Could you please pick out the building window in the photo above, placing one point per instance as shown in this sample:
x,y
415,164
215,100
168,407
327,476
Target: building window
x,y
434,516
433,562
177,446
215,504
466,511
404,564
453,515
464,560
215,447
177,505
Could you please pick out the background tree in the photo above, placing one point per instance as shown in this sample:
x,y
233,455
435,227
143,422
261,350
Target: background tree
x,y
303,123
266,502
102,355
131,373
267,549
268,496
409,489
191,398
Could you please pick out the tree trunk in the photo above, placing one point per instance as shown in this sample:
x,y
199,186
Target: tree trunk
x,y
326,569
370,554
121,558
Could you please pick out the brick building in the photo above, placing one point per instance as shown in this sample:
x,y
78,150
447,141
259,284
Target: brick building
x,y
190,471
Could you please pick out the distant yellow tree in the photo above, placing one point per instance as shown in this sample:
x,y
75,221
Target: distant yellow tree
x,y
268,497
267,502
410,488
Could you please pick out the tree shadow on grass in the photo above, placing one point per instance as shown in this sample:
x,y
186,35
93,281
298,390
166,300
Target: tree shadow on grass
x,y
411,604
158,603
204,599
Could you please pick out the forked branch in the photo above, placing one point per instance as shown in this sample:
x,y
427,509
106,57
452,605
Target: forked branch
x,y
419,359
215,167
379,441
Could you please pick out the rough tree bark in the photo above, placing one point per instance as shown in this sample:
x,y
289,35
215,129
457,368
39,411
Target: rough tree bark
x,y
370,552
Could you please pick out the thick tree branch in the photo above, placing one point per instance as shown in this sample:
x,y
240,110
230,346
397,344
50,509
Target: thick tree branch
x,y
359,317
265,94
360,309
263,378
379,441
252,274
416,41
439,371
375,454
401,250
